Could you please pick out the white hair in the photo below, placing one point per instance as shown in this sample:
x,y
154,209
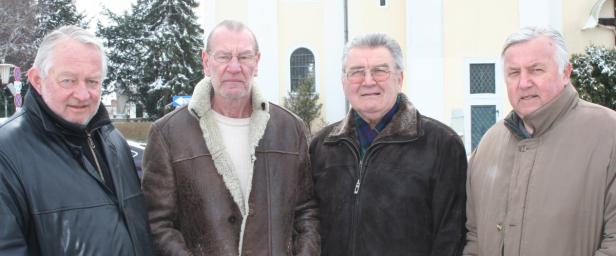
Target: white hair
x,y
375,40
44,56
561,56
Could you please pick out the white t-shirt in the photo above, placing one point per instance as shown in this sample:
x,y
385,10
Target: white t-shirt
x,y
234,132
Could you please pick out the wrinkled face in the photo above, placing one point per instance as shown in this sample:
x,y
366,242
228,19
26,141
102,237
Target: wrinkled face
x,y
72,87
232,63
532,75
375,94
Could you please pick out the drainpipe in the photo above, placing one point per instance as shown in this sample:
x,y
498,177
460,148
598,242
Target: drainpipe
x,y
346,39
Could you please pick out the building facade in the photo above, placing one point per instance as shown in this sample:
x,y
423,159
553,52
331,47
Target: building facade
x,y
452,48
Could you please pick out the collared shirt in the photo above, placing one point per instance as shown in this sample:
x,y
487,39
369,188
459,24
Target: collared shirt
x,y
365,134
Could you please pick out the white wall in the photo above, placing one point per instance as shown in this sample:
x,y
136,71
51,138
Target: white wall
x,y
424,71
541,13
263,20
333,95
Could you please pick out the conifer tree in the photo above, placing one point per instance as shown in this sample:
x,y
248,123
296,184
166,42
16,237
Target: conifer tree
x,y
52,14
154,52
174,42
125,47
304,102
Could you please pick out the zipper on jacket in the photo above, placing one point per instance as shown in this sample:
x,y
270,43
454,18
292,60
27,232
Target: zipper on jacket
x,y
354,211
358,179
361,175
92,146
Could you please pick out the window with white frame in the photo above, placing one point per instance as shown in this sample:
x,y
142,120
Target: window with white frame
x,y
482,104
302,67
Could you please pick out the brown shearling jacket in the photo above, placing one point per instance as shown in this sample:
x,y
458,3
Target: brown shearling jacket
x,y
194,200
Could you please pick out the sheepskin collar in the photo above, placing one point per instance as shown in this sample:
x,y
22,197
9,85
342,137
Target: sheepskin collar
x,y
201,98
200,106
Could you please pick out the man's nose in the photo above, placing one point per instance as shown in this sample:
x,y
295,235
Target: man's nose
x,y
368,78
81,91
525,80
234,65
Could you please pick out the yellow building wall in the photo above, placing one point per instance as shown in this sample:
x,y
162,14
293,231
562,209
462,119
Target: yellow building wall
x,y
301,25
366,16
575,14
470,31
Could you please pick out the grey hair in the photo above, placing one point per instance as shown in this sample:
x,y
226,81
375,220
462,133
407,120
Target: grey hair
x,y
375,40
561,55
232,25
44,57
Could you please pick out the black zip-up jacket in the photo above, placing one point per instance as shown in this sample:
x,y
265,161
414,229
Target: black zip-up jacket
x,y
52,200
405,197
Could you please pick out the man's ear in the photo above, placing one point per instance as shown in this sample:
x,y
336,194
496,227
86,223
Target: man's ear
x,y
567,73
35,78
257,58
401,80
204,58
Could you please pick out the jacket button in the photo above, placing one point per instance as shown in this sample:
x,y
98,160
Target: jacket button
x,y
499,227
232,219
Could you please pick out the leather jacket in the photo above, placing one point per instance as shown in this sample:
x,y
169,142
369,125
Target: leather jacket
x,y
51,199
405,197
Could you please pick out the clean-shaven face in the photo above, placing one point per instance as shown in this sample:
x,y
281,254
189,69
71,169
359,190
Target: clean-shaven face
x,y
371,99
73,85
532,75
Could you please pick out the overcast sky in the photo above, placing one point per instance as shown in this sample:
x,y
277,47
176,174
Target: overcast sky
x,y
94,8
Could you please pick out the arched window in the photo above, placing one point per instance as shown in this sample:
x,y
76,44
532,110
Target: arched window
x,y
302,67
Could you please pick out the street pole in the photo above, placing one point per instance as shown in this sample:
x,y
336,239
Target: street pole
x,y
6,110
346,40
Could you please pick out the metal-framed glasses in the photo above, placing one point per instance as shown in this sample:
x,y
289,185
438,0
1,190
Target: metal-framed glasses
x,y
379,74
246,58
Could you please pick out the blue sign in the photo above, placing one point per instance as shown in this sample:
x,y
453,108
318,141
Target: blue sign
x,y
179,101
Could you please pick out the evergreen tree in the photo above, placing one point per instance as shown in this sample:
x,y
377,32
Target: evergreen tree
x,y
594,75
124,44
304,102
153,52
52,14
173,41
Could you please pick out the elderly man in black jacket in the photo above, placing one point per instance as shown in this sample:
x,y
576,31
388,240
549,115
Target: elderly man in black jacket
x,y
389,180
68,184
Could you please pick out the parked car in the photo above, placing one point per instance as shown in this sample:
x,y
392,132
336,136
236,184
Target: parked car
x,y
137,149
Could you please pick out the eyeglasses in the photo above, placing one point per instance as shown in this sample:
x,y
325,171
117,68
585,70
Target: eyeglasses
x,y
379,74
242,58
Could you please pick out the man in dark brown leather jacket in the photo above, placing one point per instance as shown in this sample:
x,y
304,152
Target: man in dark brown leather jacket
x,y
229,174
389,180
